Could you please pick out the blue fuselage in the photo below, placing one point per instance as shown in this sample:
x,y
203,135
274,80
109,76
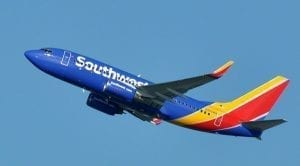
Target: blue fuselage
x,y
94,75
114,91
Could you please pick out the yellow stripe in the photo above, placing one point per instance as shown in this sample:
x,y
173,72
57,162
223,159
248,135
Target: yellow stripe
x,y
218,109
199,116
275,82
226,65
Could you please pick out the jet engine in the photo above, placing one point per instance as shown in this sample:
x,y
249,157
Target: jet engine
x,y
101,104
120,91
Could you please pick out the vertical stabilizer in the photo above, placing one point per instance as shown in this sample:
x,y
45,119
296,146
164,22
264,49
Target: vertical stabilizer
x,y
257,103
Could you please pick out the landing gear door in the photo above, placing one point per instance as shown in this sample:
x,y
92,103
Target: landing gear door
x,y
66,58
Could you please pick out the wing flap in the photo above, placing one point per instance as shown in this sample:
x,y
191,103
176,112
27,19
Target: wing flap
x,y
144,117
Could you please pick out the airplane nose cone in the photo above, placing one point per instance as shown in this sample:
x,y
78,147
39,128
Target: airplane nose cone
x,y
29,55
32,56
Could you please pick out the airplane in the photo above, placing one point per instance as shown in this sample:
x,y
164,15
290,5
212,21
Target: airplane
x,y
114,91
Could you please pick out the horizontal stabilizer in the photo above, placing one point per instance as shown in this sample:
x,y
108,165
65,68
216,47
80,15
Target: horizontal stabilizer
x,y
262,125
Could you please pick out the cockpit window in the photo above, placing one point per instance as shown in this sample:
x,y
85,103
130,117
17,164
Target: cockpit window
x,y
47,51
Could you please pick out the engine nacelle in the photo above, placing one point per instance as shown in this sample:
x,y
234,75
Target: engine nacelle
x,y
99,103
119,91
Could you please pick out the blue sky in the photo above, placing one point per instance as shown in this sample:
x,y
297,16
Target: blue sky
x,y
44,121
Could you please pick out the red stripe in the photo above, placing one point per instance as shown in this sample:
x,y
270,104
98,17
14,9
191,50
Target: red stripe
x,y
220,73
246,112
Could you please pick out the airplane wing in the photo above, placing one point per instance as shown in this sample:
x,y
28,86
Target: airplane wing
x,y
166,91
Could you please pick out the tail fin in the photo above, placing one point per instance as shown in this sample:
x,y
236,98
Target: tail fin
x,y
257,103
257,127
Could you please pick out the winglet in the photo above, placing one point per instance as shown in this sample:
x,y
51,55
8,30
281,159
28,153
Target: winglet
x,y
222,70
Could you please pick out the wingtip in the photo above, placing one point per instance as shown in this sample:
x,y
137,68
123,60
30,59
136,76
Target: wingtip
x,y
223,69
284,120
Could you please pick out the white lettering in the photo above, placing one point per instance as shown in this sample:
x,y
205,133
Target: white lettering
x,y
112,74
107,72
80,61
89,66
97,69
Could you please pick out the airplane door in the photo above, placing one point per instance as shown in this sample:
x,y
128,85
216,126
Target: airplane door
x,y
66,58
218,120
219,116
